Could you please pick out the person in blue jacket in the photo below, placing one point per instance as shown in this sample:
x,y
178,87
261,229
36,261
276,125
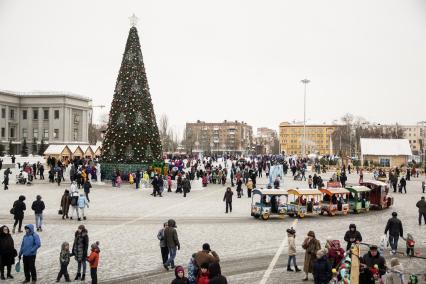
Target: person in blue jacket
x,y
29,246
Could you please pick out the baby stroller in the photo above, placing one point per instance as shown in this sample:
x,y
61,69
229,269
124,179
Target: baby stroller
x,y
22,178
298,175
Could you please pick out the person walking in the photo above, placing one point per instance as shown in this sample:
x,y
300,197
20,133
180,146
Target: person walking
x,y
249,185
65,203
421,204
186,186
138,178
64,260
402,185
93,260
38,208
79,250
29,246
394,227
82,203
74,201
228,199
291,238
361,175
172,241
41,171
239,189
6,174
7,252
86,187
18,213
352,236
163,244
311,245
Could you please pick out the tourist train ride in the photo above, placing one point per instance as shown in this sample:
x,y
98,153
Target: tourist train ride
x,y
325,201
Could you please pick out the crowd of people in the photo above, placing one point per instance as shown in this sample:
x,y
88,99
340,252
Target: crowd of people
x,y
203,267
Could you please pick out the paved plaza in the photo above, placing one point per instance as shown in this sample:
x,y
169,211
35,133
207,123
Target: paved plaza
x,y
125,221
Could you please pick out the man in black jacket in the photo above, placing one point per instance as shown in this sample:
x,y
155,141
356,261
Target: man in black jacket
x,y
172,242
368,261
227,197
38,207
352,236
394,226
421,204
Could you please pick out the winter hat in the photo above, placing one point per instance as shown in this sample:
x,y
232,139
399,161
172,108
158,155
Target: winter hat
x,y
206,246
352,226
373,247
95,245
394,214
38,197
179,269
204,265
311,234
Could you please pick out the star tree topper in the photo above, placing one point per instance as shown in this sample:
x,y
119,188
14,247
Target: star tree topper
x,y
133,20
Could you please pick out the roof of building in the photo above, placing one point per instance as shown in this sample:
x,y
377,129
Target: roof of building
x,y
385,147
73,148
54,149
45,94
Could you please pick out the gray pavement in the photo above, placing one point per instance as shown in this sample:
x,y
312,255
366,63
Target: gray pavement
x,y
126,221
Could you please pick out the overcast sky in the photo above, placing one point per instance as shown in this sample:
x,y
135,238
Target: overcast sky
x,y
227,59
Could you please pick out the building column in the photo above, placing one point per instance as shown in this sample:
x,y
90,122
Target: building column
x,y
40,125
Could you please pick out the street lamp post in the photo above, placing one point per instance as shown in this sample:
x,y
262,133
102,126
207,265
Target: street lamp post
x,y
304,82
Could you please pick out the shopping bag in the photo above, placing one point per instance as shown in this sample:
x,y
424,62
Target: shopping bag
x,y
18,266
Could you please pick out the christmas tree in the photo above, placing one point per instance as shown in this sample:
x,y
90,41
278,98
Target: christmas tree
x,y
132,135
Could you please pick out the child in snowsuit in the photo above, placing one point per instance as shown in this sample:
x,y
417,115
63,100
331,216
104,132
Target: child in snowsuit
x,y
93,260
203,277
64,260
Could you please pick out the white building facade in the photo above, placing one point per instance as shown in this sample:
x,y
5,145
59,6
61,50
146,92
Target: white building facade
x,y
53,117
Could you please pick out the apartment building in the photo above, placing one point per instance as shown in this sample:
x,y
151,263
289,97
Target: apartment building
x,y
219,137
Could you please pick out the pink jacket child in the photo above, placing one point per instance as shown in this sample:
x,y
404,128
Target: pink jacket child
x,y
118,181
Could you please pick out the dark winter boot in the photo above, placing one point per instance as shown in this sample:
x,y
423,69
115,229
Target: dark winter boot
x,y
83,277
77,276
289,268
84,218
79,219
297,269
2,277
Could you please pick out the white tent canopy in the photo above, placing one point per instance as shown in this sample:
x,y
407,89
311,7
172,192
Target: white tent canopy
x,y
385,147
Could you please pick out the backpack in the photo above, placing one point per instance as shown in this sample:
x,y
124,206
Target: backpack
x,y
74,200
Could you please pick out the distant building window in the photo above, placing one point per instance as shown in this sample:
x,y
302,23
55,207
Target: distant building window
x,y
35,114
75,134
46,133
384,162
56,114
12,114
46,114
24,114
3,132
3,113
56,133
35,133
12,132
24,133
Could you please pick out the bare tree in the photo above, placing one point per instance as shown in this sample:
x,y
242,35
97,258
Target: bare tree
x,y
163,129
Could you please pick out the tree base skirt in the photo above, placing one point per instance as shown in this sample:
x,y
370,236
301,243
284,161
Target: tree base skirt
x,y
107,169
